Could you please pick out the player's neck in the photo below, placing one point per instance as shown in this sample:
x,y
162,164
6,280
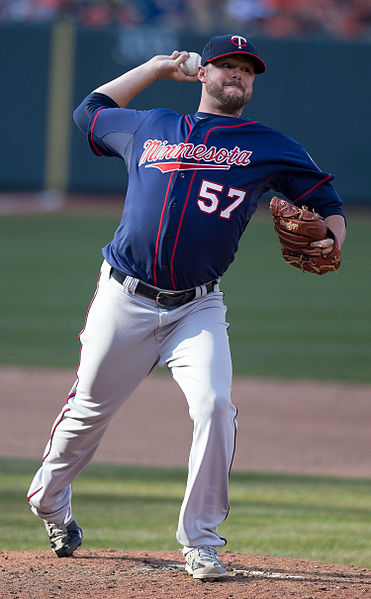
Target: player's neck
x,y
205,108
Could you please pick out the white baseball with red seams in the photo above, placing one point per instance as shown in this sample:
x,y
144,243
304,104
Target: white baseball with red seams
x,y
190,66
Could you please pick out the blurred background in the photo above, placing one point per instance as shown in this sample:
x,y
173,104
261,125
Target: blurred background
x,y
344,19
54,52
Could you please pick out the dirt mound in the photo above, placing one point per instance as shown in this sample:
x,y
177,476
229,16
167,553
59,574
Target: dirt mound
x,y
120,575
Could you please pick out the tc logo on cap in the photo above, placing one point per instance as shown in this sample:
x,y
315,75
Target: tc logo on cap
x,y
239,41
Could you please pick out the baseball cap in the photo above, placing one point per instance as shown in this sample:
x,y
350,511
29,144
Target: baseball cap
x,y
224,45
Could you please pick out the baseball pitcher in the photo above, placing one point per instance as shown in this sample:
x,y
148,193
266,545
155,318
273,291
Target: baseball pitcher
x,y
194,183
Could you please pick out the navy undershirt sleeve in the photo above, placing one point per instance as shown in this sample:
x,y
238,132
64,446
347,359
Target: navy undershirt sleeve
x,y
88,106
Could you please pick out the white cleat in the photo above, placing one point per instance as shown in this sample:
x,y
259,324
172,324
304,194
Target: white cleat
x,y
203,563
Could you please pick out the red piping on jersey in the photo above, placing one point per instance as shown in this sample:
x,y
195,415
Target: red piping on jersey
x,y
53,431
178,232
34,493
163,212
189,191
189,122
312,188
228,127
159,229
91,133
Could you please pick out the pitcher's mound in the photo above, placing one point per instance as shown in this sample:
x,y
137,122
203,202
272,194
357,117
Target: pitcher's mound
x,y
119,575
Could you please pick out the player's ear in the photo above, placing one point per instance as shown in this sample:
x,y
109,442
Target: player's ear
x,y
201,73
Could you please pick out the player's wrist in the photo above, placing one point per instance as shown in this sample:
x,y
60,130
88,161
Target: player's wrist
x,y
151,68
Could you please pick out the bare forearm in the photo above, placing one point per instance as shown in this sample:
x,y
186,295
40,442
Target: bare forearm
x,y
336,223
127,86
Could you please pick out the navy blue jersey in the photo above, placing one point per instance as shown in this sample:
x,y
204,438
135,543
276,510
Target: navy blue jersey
x,y
194,182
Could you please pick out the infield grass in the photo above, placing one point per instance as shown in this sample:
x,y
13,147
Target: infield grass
x,y
283,323
136,508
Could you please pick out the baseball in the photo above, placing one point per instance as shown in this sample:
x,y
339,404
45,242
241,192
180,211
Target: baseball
x,y
190,66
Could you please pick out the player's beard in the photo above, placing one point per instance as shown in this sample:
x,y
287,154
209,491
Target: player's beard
x,y
230,103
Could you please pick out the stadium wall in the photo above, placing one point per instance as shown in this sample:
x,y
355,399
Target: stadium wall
x,y
316,91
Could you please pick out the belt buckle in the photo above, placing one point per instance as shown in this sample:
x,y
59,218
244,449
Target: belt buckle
x,y
169,295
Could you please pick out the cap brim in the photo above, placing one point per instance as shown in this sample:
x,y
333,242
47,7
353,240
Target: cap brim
x,y
259,65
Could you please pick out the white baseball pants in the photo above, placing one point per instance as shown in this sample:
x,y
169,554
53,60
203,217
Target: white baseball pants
x,y
125,337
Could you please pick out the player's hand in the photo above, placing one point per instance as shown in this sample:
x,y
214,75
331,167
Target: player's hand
x,y
167,67
325,246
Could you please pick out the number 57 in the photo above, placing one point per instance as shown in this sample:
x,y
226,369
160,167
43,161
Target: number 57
x,y
208,201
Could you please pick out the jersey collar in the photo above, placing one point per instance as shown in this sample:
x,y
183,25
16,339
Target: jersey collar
x,y
205,115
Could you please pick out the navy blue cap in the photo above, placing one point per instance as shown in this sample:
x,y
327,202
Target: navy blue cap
x,y
225,45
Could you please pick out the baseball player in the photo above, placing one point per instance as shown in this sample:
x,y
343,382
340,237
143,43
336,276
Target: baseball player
x,y
194,182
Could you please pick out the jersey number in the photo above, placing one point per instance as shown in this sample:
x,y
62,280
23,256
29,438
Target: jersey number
x,y
208,201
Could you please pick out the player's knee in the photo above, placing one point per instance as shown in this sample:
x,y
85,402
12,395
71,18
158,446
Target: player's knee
x,y
211,405
43,503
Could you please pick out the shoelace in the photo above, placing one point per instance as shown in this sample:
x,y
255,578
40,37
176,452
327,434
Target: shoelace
x,y
206,552
56,532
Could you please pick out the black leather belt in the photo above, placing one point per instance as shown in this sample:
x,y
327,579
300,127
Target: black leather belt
x,y
165,299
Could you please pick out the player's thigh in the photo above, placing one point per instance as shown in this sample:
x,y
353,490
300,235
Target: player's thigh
x,y
198,353
117,342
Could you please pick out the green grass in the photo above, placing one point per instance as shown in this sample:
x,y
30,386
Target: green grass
x,y
136,508
283,323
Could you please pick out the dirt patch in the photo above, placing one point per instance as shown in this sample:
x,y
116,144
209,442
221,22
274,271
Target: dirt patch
x,y
119,575
284,426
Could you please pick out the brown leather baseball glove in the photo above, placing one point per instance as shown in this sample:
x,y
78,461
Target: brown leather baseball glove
x,y
296,229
